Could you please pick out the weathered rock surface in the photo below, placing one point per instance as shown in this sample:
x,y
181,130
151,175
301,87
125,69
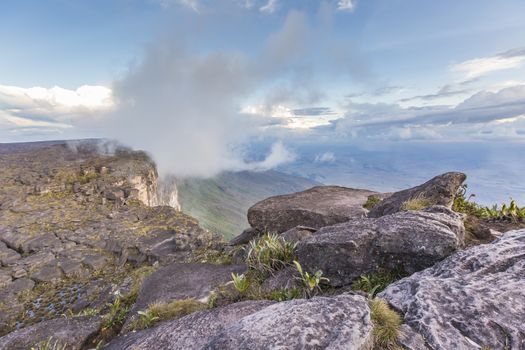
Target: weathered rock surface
x,y
72,333
190,332
297,234
245,237
341,322
472,299
183,281
317,207
407,241
441,190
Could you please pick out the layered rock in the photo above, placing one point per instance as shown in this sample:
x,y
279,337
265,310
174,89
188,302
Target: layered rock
x,y
473,299
407,241
317,207
441,190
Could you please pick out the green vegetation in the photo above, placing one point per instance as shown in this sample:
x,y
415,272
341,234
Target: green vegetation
x,y
270,253
511,212
240,282
50,345
158,312
310,283
416,204
284,294
387,324
371,202
376,282
117,312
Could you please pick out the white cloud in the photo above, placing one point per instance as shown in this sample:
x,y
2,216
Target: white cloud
x,y
346,5
270,6
478,67
192,4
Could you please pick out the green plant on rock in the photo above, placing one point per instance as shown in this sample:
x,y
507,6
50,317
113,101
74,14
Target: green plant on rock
x,y
158,312
240,282
117,311
463,204
371,202
376,282
49,345
311,283
285,294
270,253
416,204
387,324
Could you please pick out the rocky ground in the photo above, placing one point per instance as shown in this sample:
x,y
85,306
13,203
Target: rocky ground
x,y
89,261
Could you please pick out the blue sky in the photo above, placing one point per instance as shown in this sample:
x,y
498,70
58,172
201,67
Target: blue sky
x,y
213,76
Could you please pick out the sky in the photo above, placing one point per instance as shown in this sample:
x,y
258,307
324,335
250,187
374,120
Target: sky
x,y
196,82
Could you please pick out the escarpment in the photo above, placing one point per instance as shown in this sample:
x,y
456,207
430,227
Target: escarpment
x,y
90,260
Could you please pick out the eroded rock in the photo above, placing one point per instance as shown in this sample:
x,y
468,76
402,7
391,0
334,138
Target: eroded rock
x,y
317,207
472,299
407,241
441,190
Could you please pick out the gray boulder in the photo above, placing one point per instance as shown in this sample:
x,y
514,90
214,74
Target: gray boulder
x,y
341,322
317,207
190,332
441,190
471,300
72,333
407,241
297,234
245,237
182,281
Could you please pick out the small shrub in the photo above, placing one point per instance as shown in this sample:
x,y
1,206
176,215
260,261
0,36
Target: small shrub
x,y
88,312
240,282
311,283
375,283
158,312
462,204
371,202
387,324
117,312
270,253
284,294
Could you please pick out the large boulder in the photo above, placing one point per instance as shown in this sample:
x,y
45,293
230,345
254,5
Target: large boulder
x,y
317,207
341,322
190,332
407,241
182,281
441,190
71,333
473,299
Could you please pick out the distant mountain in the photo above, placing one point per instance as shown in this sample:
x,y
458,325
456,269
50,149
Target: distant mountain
x,y
221,203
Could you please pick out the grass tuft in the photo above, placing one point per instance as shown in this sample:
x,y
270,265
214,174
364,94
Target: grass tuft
x,y
270,253
158,312
371,202
416,204
387,324
376,282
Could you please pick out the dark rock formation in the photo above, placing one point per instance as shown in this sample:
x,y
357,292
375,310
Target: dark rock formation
x,y
472,299
317,207
71,333
441,190
245,237
407,241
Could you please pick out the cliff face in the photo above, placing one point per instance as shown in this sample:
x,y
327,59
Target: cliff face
x,y
76,223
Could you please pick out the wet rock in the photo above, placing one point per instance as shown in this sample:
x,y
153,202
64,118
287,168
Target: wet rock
x,y
317,207
441,190
406,241
472,299
72,333
341,322
190,332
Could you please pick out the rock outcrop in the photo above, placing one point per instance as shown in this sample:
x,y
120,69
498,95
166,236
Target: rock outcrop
x,y
341,322
71,333
406,241
471,300
441,190
317,207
